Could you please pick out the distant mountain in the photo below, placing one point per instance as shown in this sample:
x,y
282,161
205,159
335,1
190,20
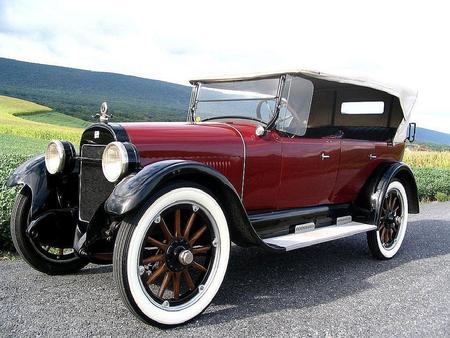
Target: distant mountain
x,y
80,92
427,136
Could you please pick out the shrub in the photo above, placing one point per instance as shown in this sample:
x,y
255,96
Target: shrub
x,y
441,197
7,165
430,181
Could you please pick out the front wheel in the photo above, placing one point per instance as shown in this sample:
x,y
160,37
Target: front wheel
x,y
43,257
171,257
385,242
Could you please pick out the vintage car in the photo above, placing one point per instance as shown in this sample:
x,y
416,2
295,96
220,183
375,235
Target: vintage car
x,y
281,161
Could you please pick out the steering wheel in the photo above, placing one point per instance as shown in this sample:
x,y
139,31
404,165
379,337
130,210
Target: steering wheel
x,y
259,106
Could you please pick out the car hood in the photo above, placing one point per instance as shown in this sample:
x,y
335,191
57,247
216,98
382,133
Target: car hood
x,y
217,145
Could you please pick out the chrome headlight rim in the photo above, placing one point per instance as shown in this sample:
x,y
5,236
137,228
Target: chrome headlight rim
x,y
124,162
65,152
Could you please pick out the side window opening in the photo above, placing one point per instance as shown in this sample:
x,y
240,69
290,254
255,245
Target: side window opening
x,y
362,107
295,106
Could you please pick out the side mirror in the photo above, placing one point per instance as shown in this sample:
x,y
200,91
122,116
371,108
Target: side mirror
x,y
411,132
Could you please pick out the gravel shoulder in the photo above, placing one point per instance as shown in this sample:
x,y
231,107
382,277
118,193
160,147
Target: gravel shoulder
x,y
332,289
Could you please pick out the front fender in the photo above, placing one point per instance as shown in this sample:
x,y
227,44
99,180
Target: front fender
x,y
33,174
135,189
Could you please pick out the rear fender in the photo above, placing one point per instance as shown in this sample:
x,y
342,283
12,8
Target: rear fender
x,y
377,186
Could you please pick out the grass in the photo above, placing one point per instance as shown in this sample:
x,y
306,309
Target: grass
x,y
432,172
7,256
55,118
8,162
432,183
12,124
14,144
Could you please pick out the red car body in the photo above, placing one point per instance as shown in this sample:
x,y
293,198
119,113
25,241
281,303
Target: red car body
x,y
280,172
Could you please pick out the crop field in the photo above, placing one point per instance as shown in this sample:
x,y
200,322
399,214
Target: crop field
x,y
26,128
55,118
427,159
12,123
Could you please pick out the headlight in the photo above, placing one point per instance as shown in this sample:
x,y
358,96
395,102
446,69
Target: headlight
x,y
115,161
59,156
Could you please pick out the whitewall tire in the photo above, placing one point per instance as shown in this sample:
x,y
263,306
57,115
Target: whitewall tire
x,y
170,258
385,242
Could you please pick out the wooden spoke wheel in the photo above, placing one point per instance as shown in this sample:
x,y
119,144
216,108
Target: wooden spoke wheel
x,y
385,242
176,254
390,218
170,258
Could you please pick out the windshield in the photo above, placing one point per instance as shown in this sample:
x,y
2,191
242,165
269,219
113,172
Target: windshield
x,y
253,99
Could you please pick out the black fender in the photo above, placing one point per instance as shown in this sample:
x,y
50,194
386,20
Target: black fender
x,y
135,189
383,176
33,174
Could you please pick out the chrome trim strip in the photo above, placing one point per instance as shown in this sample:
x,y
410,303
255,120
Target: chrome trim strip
x,y
244,159
343,220
300,228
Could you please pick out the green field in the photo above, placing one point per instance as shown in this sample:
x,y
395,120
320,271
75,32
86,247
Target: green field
x,y
12,122
14,144
55,118
26,128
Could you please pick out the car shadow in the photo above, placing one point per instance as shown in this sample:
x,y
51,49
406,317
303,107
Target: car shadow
x,y
260,282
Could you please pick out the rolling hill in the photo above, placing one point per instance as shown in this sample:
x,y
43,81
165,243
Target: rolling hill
x,y
428,136
22,118
80,92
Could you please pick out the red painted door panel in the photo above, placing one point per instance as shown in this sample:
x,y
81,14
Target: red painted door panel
x,y
358,161
262,169
309,170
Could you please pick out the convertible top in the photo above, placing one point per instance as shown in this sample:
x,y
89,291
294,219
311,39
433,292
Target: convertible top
x,y
406,96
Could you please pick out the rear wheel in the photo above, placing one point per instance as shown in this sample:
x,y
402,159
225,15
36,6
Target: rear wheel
x,y
385,242
171,257
42,257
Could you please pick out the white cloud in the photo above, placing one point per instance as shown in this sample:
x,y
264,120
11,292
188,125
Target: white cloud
x,y
401,41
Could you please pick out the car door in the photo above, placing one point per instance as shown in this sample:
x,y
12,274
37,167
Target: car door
x,y
309,170
358,160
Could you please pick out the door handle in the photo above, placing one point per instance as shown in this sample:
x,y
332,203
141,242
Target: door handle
x,y
323,156
372,157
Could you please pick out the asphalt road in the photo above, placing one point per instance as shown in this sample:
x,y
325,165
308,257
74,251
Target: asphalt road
x,y
333,289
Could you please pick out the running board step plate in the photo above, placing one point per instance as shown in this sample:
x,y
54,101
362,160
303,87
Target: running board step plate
x,y
319,235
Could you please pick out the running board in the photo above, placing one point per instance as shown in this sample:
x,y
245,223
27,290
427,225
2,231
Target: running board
x,y
319,235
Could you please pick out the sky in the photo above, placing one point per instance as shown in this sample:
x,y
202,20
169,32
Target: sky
x,y
404,42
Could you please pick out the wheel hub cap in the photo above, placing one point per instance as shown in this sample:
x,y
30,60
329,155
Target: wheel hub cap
x,y
186,257
178,255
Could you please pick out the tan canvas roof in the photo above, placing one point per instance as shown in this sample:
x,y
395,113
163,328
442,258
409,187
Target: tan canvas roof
x,y
406,96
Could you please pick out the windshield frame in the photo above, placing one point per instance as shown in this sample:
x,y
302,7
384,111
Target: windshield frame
x,y
196,91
